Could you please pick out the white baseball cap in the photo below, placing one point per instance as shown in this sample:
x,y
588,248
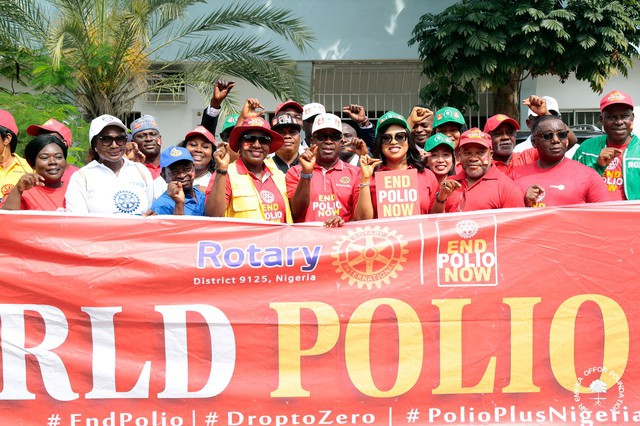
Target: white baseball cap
x,y
309,110
99,123
552,106
327,121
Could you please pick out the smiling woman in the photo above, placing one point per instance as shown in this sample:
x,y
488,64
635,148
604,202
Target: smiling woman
x,y
394,145
110,184
249,188
44,189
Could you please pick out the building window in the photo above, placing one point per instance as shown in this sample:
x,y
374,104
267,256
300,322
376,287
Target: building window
x,y
130,117
379,86
576,117
167,86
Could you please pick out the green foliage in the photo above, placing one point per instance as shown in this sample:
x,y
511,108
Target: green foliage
x,y
30,109
107,53
492,44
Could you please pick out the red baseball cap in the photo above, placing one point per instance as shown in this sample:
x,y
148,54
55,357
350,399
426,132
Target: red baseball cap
x,y
294,104
253,123
7,120
202,131
51,126
476,136
615,97
495,121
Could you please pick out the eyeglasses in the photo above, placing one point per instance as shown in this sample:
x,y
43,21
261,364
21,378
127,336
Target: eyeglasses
x,y
547,136
400,137
251,139
177,171
142,136
324,137
107,141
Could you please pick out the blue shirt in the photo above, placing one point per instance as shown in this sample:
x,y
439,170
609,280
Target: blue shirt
x,y
192,206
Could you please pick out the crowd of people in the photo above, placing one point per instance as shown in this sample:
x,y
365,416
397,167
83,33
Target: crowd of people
x,y
307,165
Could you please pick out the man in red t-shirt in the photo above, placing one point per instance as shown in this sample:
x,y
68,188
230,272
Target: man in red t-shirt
x,y
502,130
322,187
479,185
554,180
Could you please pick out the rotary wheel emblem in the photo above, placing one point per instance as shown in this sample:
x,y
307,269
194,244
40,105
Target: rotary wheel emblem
x,y
126,201
369,256
6,189
466,228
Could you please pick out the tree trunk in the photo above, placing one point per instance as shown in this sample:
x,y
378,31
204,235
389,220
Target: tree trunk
x,y
506,99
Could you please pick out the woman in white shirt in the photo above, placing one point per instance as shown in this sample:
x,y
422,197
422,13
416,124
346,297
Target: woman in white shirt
x,y
110,184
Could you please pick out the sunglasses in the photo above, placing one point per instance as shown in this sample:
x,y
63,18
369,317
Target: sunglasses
x,y
547,136
251,139
400,137
323,137
107,141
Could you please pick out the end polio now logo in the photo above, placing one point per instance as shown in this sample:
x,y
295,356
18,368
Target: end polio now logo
x,y
466,255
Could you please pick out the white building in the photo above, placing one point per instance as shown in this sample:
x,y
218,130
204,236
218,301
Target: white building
x,y
361,56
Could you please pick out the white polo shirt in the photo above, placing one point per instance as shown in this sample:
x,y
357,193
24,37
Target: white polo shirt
x,y
97,189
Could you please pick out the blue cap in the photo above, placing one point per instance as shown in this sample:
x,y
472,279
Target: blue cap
x,y
146,122
174,154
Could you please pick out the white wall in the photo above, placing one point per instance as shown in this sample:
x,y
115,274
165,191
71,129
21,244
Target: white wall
x,y
176,120
576,94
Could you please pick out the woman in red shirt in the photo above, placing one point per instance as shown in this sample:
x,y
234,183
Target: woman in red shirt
x,y
395,147
44,189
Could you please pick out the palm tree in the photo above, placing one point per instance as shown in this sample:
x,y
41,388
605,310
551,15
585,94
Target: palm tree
x,y
106,53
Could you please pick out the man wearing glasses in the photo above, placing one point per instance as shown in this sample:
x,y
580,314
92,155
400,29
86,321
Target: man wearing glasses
x,y
616,154
181,197
539,106
323,188
554,180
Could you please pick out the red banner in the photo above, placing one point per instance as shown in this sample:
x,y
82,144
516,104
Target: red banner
x,y
500,317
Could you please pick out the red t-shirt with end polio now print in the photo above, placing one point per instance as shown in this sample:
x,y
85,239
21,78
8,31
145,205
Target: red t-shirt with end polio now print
x,y
333,192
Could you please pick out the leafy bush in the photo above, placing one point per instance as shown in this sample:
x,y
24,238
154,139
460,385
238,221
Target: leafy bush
x,y
30,109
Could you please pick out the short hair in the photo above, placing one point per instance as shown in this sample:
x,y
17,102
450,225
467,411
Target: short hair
x,y
14,138
36,145
542,119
